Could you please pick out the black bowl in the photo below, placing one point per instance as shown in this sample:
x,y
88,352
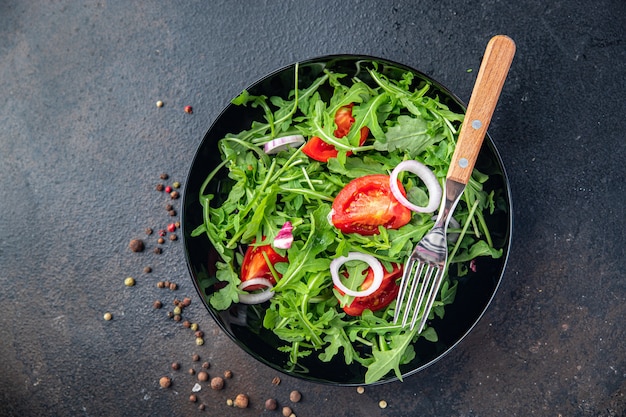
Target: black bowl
x,y
475,290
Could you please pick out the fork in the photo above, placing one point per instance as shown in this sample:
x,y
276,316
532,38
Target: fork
x,y
425,269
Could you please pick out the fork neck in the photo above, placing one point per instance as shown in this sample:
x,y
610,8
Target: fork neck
x,y
452,191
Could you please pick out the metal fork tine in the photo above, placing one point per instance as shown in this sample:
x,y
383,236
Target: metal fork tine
x,y
426,285
415,280
406,275
431,297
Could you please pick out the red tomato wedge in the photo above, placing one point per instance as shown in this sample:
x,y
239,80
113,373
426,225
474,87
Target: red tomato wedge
x,y
381,298
366,203
254,264
317,149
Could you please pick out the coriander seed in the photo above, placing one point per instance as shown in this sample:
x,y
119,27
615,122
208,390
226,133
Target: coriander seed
x,y
107,316
159,103
295,396
165,382
382,404
129,282
241,401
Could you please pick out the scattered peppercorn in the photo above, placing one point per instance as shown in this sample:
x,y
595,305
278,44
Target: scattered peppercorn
x,y
175,366
199,333
186,301
136,245
129,282
195,357
203,376
228,374
271,404
287,411
191,371
157,304
295,396
160,241
173,237
177,310
229,402
107,316
382,404
199,341
147,269
275,380
149,231
173,286
194,326
171,227
172,212
170,315
164,176
193,398
162,232
158,251
186,324
177,224
206,365
168,189
159,187
167,284
177,317
159,103
176,184
217,383
241,401
165,382
201,407
168,207
188,109
174,195
360,390
160,284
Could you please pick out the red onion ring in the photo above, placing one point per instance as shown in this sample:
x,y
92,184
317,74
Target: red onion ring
x,y
285,142
257,297
357,256
429,179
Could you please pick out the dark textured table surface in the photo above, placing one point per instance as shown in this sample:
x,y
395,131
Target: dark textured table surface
x,y
82,146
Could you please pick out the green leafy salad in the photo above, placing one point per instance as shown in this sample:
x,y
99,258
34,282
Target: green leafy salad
x,y
282,183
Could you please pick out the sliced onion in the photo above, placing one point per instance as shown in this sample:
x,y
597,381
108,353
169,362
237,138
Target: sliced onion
x,y
283,143
284,238
429,179
257,297
374,263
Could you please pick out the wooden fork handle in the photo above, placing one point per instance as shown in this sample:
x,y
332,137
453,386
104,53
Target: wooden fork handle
x,y
491,75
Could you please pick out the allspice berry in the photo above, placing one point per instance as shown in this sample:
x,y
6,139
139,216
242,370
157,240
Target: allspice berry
x,y
271,404
241,401
165,382
217,383
203,376
136,245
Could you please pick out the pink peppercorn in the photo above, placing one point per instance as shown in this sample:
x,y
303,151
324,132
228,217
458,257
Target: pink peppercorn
x,y
168,189
171,227
188,109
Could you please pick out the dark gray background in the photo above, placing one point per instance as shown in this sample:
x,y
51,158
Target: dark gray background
x,y
82,145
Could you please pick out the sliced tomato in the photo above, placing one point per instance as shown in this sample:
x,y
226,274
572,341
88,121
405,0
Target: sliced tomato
x,y
366,203
254,264
381,298
317,149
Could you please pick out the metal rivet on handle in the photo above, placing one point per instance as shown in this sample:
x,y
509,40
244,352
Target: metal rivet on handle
x,y
476,124
463,163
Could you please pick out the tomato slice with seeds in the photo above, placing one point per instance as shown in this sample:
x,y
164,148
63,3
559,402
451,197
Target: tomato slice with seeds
x,y
317,149
381,298
254,264
366,203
